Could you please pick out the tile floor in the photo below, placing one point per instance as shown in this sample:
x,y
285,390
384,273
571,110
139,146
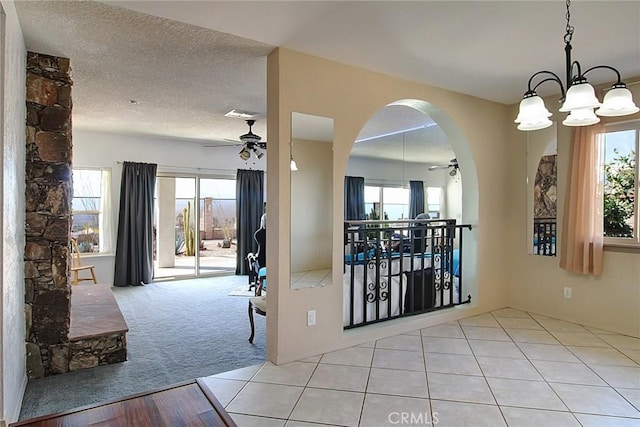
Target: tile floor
x,y
502,368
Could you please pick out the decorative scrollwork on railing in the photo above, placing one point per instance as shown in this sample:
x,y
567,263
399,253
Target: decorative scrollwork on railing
x,y
377,293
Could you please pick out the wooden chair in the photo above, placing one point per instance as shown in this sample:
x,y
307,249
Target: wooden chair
x,y
259,302
77,267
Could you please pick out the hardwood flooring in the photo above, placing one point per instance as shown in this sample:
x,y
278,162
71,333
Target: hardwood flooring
x,y
181,405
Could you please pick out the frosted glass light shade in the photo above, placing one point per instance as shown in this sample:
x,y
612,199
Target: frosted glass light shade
x,y
579,96
617,102
581,117
533,114
293,166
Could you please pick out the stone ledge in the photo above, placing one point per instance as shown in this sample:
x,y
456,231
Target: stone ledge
x,y
97,334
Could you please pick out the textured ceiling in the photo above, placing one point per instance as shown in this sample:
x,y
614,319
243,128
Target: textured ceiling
x,y
187,63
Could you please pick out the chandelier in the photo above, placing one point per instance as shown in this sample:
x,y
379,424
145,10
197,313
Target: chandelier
x,y
579,98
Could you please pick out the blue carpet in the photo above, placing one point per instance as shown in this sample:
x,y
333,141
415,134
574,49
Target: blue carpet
x,y
178,331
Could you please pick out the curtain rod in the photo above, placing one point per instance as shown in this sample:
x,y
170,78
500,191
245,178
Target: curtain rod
x,y
187,168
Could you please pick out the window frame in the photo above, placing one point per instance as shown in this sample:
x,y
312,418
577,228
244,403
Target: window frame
x,y
633,242
98,212
381,201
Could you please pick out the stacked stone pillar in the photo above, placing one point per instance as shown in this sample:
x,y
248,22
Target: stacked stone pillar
x,y
49,193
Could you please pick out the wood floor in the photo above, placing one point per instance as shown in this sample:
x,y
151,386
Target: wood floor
x,y
182,405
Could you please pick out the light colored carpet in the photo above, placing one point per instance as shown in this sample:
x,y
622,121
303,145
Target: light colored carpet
x,y
242,292
178,331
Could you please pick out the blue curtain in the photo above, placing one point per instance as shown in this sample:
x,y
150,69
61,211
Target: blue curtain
x,y
416,198
134,247
249,209
354,198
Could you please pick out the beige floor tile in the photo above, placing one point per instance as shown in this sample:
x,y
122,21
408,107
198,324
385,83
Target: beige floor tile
x,y
340,377
579,339
602,356
454,414
384,410
484,320
398,359
294,373
599,331
353,356
291,423
510,312
501,367
553,325
632,396
484,333
631,354
496,349
252,421
312,359
401,342
557,353
224,390
619,376
602,421
370,344
594,400
446,345
622,341
461,388
523,417
397,382
328,407
452,364
564,372
252,400
525,394
412,332
531,336
446,330
244,374
519,323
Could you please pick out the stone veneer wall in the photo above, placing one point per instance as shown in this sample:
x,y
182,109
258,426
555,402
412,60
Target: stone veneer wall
x,y
49,192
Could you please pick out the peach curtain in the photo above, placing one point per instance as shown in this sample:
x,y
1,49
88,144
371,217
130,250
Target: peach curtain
x,y
582,225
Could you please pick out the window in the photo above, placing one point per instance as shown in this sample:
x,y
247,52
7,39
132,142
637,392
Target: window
x,y
621,218
386,202
88,209
434,201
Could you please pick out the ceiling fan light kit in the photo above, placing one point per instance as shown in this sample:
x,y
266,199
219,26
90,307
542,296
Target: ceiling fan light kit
x,y
579,98
251,143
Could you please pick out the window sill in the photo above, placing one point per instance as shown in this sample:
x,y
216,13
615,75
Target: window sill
x,y
96,255
622,247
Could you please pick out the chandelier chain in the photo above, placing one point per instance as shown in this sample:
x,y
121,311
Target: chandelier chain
x,y
569,30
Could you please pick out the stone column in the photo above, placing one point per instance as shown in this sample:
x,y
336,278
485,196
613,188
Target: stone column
x,y
49,192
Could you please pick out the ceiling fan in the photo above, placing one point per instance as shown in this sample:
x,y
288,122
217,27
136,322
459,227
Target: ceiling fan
x,y
251,143
453,164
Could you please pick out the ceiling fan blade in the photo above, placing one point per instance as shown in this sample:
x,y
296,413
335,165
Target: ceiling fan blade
x,y
436,167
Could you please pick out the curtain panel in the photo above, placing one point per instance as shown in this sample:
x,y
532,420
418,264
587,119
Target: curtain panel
x,y
249,210
134,247
582,224
416,198
354,198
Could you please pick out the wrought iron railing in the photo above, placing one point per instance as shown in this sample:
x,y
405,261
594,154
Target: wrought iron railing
x,y
401,268
544,236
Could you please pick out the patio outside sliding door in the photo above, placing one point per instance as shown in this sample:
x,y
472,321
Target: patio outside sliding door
x,y
174,223
217,210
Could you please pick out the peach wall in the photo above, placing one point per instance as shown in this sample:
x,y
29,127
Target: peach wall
x,y
311,85
611,301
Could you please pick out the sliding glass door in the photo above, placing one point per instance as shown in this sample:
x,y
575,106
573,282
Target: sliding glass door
x,y
217,209
195,226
